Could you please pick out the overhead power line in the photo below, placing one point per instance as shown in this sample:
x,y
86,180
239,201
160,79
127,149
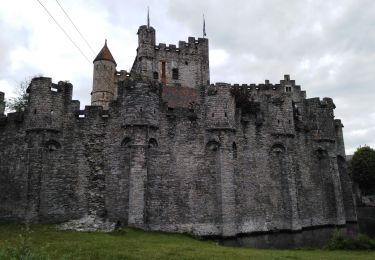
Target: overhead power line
x,y
76,27
66,34
106,80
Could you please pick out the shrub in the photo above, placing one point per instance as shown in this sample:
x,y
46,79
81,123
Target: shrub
x,y
359,242
362,167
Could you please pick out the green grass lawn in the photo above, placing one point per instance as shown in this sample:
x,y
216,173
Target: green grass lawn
x,y
136,244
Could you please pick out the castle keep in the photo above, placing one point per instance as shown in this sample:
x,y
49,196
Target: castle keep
x,y
161,148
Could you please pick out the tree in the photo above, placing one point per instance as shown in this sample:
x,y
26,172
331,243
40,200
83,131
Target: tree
x,y
19,103
362,168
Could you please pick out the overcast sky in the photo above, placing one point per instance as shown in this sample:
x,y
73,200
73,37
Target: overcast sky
x,y
328,47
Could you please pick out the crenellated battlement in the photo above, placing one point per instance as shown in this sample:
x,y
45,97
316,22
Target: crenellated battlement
x,y
12,118
191,44
322,103
285,86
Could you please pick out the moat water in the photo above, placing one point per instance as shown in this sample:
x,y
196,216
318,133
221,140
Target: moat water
x,y
308,238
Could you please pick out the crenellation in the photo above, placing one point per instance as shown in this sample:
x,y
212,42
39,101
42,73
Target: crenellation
x,y
181,45
203,40
15,117
191,40
2,103
162,46
162,148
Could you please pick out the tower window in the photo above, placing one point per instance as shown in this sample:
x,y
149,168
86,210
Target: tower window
x,y
163,77
288,89
156,75
175,74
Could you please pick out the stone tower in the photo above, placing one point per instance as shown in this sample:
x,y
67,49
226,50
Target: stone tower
x,y
103,90
146,51
184,66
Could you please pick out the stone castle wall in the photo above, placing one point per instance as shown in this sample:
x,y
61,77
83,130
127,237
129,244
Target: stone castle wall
x,y
247,159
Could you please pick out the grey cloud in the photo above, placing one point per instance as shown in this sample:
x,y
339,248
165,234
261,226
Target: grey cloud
x,y
334,40
11,39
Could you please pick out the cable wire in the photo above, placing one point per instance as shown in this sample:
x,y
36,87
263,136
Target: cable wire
x,y
66,34
76,27
107,80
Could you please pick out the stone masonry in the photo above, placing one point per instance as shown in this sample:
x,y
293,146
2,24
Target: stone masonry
x,y
160,148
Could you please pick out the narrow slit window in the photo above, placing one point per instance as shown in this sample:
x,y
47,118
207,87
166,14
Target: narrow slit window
x,y
163,76
175,74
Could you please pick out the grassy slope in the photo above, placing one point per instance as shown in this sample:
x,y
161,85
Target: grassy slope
x,y
137,244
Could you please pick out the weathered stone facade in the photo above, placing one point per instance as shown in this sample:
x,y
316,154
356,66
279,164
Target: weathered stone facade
x,y
161,148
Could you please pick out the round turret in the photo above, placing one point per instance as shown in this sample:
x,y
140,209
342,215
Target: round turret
x,y
46,105
146,41
103,90
145,52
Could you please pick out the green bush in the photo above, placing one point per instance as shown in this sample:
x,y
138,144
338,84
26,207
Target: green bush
x,y
362,167
359,242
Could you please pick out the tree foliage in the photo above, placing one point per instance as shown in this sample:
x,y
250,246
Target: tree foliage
x,y
19,103
362,167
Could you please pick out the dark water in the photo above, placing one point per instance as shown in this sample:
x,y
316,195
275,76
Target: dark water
x,y
308,238
366,220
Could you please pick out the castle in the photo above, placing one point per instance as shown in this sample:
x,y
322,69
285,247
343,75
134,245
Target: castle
x,y
161,148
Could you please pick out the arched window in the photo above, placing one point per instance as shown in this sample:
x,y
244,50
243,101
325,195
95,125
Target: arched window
x,y
152,143
52,145
126,142
278,149
213,145
321,154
